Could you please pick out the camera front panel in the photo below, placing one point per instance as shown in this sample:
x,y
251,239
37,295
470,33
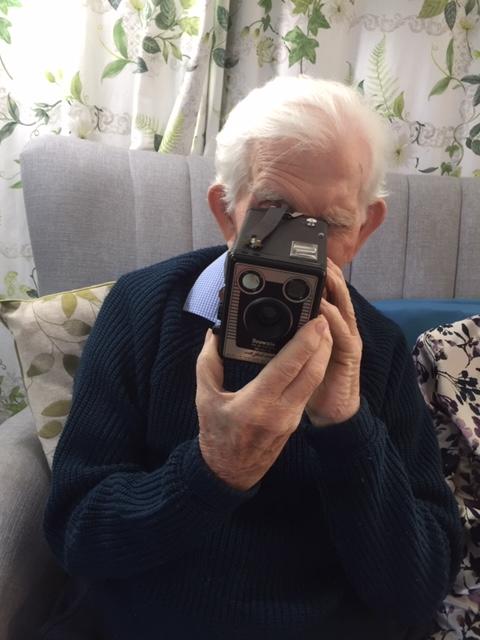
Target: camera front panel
x,y
267,306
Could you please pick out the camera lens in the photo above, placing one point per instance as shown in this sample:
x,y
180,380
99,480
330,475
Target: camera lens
x,y
267,319
251,282
296,290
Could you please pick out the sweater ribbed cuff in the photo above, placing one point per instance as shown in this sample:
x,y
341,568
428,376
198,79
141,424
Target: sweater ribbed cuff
x,y
207,487
336,444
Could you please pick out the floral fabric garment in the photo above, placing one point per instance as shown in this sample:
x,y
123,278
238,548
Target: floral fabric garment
x,y
447,360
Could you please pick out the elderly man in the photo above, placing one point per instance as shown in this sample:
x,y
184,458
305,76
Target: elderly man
x,y
200,499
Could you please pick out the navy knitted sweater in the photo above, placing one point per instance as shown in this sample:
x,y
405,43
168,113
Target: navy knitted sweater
x,y
352,533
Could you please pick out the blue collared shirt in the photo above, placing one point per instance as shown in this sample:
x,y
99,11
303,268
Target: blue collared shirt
x,y
203,297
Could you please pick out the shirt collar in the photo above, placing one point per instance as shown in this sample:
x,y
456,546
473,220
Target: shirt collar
x,y
203,297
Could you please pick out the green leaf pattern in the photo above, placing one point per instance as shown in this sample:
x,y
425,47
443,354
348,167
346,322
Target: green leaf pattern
x,y
50,429
302,47
69,304
55,328
5,30
70,363
432,8
190,25
172,135
12,397
381,85
114,68
42,363
76,87
120,38
57,409
14,289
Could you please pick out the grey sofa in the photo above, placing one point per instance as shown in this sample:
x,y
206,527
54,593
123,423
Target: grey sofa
x,y
96,212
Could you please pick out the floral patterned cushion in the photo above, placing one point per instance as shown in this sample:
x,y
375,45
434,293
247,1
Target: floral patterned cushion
x,y
448,367
50,333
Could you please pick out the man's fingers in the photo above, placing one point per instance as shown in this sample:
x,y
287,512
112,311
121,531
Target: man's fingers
x,y
339,329
289,361
312,374
210,365
339,296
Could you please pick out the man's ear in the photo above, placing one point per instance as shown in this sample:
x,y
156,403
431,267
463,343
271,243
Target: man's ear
x,y
219,210
376,213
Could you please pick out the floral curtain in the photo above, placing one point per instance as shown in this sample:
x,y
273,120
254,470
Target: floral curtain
x,y
162,75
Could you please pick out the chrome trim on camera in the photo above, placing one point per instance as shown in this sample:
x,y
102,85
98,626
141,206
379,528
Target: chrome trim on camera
x,y
304,250
239,276
292,299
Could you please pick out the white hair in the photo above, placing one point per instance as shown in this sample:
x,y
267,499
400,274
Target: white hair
x,y
282,108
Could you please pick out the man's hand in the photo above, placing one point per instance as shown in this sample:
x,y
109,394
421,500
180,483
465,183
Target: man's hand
x,y
242,434
337,398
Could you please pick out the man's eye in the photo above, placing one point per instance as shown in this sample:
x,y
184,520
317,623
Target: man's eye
x,y
334,223
337,226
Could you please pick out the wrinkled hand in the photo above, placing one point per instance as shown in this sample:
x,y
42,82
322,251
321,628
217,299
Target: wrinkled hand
x,y
243,433
337,398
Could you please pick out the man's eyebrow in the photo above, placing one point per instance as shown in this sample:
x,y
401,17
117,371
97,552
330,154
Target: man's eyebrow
x,y
265,194
338,217
333,216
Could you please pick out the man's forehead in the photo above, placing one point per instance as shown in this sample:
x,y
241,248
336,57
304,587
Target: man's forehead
x,y
302,159
329,185
271,153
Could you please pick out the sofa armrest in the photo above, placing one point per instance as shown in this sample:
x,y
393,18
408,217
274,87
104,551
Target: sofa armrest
x,y
29,577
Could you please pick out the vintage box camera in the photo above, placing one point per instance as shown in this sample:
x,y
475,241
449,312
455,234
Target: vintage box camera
x,y
274,279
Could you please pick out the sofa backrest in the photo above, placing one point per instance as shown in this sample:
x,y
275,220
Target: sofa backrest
x,y
95,212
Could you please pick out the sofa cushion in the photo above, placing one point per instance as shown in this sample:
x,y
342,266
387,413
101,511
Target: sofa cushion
x,y
50,333
417,315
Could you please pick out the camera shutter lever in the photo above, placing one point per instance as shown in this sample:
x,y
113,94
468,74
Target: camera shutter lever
x,y
267,225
